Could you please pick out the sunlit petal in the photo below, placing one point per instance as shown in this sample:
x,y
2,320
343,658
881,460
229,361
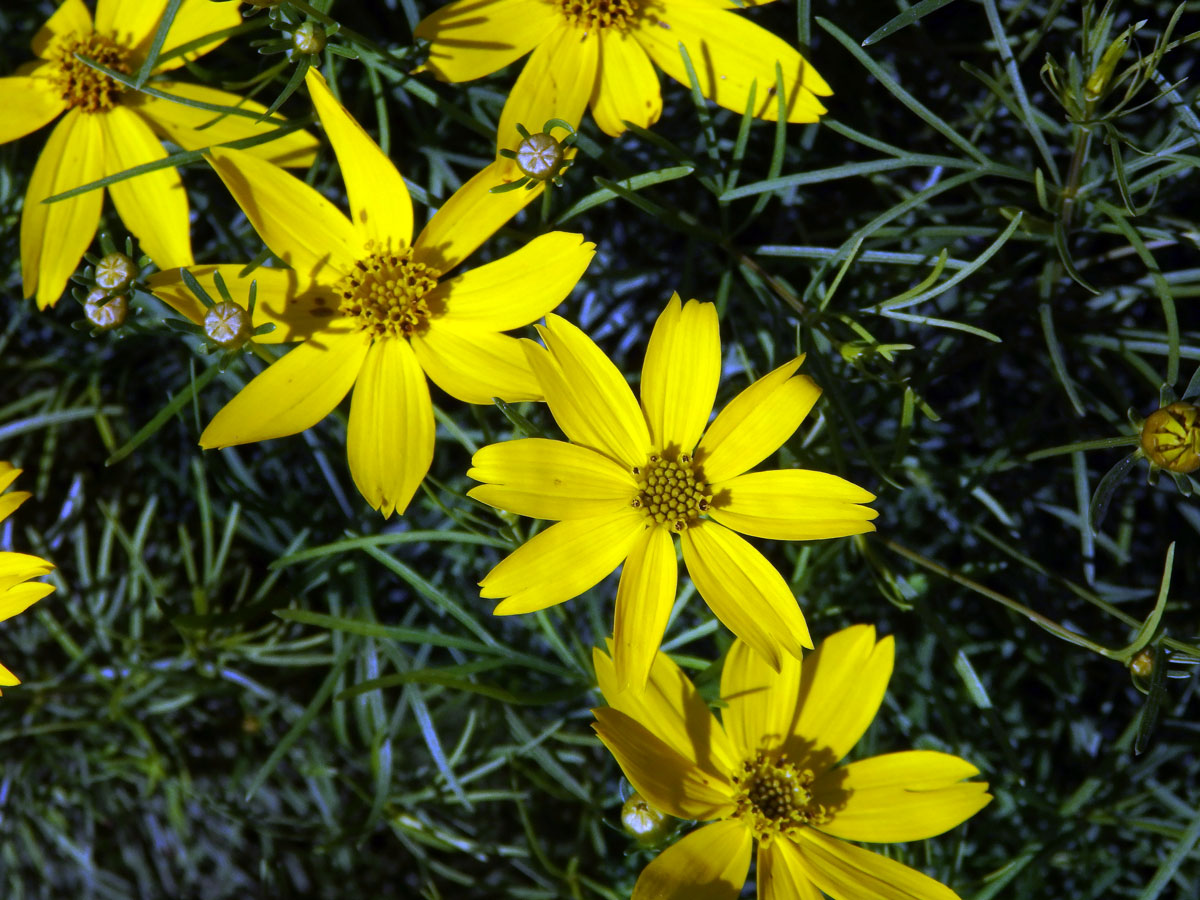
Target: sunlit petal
x,y
760,702
627,87
473,38
28,105
129,22
846,872
475,365
709,864
194,20
793,505
781,874
18,599
680,373
645,596
71,18
557,82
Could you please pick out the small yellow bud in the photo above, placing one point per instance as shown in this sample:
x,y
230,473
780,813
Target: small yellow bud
x,y
645,824
227,325
115,271
104,312
1099,79
1171,437
309,39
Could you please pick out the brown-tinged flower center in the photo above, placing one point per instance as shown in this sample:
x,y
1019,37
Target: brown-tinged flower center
x,y
589,14
1171,437
672,490
81,85
774,796
386,292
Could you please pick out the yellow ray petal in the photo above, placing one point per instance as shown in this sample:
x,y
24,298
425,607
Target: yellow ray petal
x,y
469,217
519,288
667,779
297,309
475,365
846,872
380,207
10,502
627,86
792,505
761,704
745,592
843,683
129,22
8,473
18,599
681,373
644,598
589,397
709,864
389,440
561,562
557,82
906,796
756,422
473,38
299,225
729,52
197,129
672,708
781,875
153,206
16,568
7,678
28,105
71,18
194,20
550,480
293,393
54,236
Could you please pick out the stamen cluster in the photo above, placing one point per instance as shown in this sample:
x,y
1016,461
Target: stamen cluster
x,y
672,492
386,292
589,14
82,86
774,796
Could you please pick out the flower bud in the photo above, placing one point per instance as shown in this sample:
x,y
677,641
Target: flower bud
x,y
115,271
1171,437
1099,79
540,156
227,325
645,824
309,39
105,313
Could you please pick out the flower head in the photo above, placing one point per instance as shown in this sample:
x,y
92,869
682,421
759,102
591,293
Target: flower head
x,y
766,773
635,477
1170,437
108,128
602,53
17,590
373,307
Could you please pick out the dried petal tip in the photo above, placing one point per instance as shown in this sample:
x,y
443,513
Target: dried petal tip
x,y
104,312
114,272
1171,438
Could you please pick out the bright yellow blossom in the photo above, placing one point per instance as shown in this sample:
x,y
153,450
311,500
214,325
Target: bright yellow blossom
x,y
600,53
17,591
633,477
108,128
766,773
374,308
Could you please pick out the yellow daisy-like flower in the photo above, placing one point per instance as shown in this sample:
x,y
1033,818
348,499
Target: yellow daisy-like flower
x,y
766,773
1170,437
17,591
634,477
599,53
373,307
108,129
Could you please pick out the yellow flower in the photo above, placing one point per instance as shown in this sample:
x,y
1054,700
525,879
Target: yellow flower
x,y
16,569
1171,437
633,477
599,52
108,129
373,308
766,773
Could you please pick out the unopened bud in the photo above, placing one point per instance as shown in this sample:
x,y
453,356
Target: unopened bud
x,y
1171,437
644,823
115,271
227,325
105,312
309,39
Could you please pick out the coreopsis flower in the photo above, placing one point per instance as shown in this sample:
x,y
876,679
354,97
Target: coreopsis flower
x,y
17,589
108,128
1170,437
766,773
635,477
602,53
373,308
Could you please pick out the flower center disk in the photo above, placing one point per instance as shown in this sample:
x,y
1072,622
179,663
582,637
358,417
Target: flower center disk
x,y
672,491
589,14
82,86
386,292
775,797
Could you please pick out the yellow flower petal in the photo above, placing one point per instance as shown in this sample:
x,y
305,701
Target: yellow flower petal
x,y
680,374
792,505
561,562
645,596
672,708
293,393
474,365
380,206
16,568
28,105
8,474
557,82
389,440
153,206
756,422
781,875
299,225
10,502
843,683
846,872
664,777
546,479
129,22
728,52
71,18
473,38
627,87
745,592
297,309
906,796
55,235
194,20
517,289
7,678
196,129
761,704
18,599
469,217
589,398
709,864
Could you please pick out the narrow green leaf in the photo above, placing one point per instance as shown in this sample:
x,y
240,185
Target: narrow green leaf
x,y
910,16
